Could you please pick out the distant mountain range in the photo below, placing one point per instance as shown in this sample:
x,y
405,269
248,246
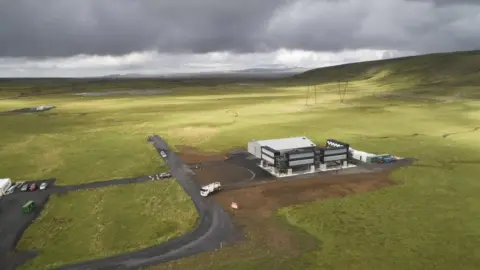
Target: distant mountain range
x,y
268,72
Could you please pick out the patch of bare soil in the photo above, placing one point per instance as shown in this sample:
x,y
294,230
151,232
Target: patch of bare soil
x,y
266,237
223,172
263,200
191,155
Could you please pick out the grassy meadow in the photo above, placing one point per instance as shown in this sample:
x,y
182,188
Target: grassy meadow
x,y
90,224
429,221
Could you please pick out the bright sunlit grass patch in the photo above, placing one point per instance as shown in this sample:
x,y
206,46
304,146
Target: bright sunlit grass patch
x,y
426,222
98,223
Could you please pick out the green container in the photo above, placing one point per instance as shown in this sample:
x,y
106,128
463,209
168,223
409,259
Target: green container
x,y
28,207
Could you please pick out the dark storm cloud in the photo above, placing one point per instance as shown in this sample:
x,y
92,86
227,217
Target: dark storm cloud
x,y
422,26
450,2
65,27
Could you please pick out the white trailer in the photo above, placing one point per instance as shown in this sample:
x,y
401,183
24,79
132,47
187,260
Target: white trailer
x,y
5,184
210,188
360,155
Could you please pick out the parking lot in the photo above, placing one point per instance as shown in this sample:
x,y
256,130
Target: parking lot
x,y
13,222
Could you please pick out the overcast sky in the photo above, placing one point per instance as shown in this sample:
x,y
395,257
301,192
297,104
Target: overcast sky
x,y
99,37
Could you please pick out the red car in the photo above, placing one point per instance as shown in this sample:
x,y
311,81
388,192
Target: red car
x,y
33,187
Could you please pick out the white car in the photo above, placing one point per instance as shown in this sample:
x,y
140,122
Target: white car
x,y
19,184
163,154
210,188
165,175
10,190
43,186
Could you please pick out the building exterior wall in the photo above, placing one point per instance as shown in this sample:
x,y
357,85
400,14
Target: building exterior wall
x,y
255,149
301,155
292,163
270,160
335,158
330,152
267,152
269,155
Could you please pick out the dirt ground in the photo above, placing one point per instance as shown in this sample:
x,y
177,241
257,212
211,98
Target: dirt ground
x,y
262,200
224,172
216,167
258,202
191,155
257,205
256,216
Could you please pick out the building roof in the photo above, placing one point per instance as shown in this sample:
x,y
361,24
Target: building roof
x,y
287,143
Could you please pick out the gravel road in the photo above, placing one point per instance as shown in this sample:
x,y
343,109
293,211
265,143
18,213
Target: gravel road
x,y
214,230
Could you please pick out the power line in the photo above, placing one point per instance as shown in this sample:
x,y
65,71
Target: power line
x,y
342,92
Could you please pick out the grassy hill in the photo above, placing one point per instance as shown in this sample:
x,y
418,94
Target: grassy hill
x,y
437,74
429,220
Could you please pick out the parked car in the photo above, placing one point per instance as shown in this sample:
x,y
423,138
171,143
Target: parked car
x,y
19,184
43,185
33,187
10,190
163,154
24,187
165,175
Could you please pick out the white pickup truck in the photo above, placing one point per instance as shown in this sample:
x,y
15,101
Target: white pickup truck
x,y
210,188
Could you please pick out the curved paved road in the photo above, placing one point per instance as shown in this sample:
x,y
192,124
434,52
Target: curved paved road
x,y
215,227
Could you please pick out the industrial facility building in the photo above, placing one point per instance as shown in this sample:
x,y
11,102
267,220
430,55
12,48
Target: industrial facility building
x,y
284,155
334,154
299,154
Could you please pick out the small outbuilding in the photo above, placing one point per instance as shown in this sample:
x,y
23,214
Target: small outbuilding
x,y
5,184
360,155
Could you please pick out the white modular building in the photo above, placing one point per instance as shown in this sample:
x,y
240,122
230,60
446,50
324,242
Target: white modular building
x,y
5,184
360,155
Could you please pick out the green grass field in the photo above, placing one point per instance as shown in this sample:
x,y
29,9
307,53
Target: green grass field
x,y
428,222
98,223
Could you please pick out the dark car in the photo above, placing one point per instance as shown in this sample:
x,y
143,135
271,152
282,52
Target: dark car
x,y
33,187
24,187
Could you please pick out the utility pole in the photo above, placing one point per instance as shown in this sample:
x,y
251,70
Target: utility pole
x,y
341,92
306,98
